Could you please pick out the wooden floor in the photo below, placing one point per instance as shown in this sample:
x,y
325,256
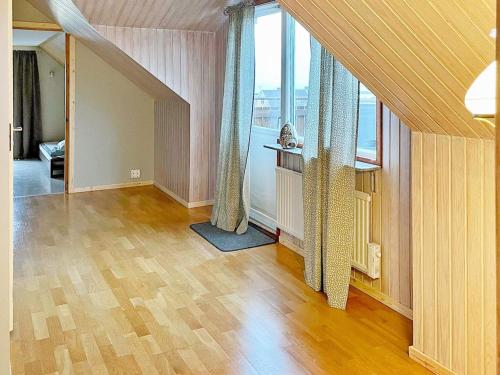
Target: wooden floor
x,y
115,282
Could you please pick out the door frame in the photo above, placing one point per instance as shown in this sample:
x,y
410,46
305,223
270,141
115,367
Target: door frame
x,y
69,93
6,201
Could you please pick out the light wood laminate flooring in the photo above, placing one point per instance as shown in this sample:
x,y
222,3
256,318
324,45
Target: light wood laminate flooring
x,y
115,282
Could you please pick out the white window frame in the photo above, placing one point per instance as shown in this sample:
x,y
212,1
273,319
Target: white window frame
x,y
287,61
287,106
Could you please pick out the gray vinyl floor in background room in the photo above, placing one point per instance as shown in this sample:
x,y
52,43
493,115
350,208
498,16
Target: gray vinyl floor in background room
x,y
31,177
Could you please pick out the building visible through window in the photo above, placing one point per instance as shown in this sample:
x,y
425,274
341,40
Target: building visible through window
x,y
282,85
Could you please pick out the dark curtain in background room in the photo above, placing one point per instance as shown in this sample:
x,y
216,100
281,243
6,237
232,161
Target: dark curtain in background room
x,y
27,106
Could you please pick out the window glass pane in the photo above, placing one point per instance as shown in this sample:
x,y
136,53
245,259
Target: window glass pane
x,y
367,128
301,79
267,100
267,114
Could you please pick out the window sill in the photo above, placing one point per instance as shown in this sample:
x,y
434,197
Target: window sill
x,y
359,166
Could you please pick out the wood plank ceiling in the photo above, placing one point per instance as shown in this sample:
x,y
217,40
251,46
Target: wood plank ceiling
x,y
419,57
204,15
67,15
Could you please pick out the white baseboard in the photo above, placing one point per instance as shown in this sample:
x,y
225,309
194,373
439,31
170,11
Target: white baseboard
x,y
109,187
182,201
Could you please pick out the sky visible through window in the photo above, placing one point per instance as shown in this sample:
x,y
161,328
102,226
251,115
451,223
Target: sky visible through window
x,y
367,124
267,103
268,52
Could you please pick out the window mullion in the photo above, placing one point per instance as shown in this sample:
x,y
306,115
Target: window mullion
x,y
287,69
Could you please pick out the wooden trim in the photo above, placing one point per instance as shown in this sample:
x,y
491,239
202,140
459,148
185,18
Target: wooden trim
x,y
428,362
66,111
497,179
383,298
41,26
182,201
112,186
377,161
70,114
262,2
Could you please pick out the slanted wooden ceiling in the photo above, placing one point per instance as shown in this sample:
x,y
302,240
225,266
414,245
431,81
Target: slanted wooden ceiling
x,y
205,15
419,56
67,15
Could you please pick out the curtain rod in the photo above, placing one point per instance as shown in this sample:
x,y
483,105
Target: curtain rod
x,y
246,3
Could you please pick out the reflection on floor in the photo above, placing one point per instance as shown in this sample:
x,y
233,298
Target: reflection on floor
x,y
31,177
115,282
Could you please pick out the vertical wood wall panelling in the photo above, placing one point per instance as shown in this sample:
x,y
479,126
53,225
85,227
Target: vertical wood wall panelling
x,y
391,221
156,14
188,62
454,252
172,147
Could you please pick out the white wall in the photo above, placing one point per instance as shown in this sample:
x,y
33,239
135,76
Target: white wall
x,y
51,95
5,183
114,125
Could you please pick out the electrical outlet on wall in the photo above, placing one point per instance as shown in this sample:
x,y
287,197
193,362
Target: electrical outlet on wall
x,y
135,173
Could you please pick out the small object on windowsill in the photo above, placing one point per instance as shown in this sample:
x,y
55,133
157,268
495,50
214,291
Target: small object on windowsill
x,y
360,166
277,147
288,136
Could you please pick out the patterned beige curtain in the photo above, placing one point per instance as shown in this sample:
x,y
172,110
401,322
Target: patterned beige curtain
x,y
230,212
329,176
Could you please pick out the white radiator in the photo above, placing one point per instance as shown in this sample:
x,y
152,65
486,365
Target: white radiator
x,y
290,218
289,207
366,256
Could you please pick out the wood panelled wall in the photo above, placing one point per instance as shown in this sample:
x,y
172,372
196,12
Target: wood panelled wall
x,y
391,226
453,237
187,62
419,58
206,15
172,148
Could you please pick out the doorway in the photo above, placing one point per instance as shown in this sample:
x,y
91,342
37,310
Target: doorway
x,y
39,130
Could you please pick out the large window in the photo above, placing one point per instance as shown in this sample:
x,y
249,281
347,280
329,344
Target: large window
x,y
282,62
282,53
267,115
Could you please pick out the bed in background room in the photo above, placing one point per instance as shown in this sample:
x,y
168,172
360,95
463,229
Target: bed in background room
x,y
52,154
